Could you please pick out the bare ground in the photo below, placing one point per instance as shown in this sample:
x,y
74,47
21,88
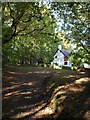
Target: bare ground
x,y
26,97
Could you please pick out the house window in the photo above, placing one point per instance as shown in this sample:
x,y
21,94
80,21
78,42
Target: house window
x,y
55,56
65,63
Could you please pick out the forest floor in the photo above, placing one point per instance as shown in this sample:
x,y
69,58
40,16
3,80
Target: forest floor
x,y
30,93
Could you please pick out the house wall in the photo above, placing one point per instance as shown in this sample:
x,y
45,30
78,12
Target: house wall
x,y
60,59
65,58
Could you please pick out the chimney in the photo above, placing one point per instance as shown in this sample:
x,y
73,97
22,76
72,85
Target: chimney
x,y
59,47
73,47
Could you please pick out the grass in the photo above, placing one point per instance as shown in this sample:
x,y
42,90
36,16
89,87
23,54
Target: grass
x,y
65,71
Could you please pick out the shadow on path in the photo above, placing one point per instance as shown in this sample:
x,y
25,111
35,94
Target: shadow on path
x,y
27,97
24,94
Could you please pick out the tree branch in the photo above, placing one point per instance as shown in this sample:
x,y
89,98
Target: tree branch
x,y
6,38
3,8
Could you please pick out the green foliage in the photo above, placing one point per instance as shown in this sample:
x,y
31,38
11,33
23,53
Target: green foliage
x,y
75,25
28,34
79,57
28,31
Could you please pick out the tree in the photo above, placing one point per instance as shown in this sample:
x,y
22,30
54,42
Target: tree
x,y
32,29
27,33
75,18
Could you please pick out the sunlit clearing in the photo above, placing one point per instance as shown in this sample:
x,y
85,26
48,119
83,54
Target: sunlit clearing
x,y
22,114
15,83
35,90
71,76
60,87
28,97
39,112
17,93
24,107
60,99
42,72
12,93
12,87
57,99
87,115
82,80
12,72
59,93
30,83
57,67
29,72
82,72
25,93
77,89
39,72
45,112
9,77
16,73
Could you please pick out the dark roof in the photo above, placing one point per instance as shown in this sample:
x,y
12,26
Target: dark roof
x,y
65,52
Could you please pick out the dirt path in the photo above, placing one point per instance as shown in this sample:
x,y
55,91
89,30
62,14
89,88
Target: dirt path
x,y
25,95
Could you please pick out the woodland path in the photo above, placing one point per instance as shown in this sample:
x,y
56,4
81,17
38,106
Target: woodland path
x,y
25,95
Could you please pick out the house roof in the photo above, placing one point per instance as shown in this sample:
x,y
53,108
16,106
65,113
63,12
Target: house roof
x,y
65,52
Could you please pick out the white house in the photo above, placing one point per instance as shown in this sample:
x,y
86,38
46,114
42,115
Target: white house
x,y
61,57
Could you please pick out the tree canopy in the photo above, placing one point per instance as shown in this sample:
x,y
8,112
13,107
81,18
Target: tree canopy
x,y
28,33
75,25
32,31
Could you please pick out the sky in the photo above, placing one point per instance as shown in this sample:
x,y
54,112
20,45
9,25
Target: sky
x,y
60,21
